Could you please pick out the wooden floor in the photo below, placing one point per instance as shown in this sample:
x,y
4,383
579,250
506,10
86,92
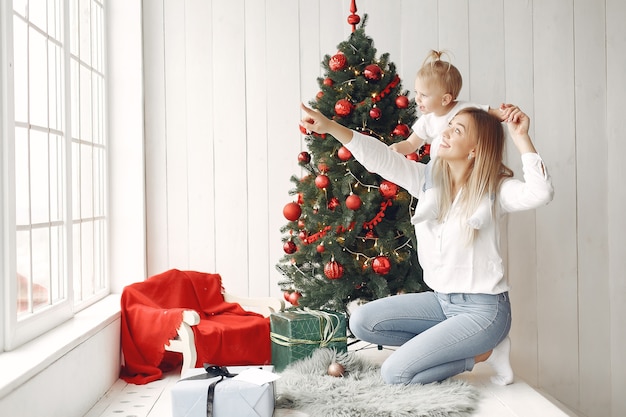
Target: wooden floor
x,y
515,400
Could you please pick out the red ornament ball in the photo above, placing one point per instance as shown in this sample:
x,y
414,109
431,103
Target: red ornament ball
x,y
290,247
381,265
401,130
293,298
344,154
402,102
320,248
328,82
333,270
343,107
373,72
353,202
337,62
322,181
413,156
375,113
388,189
304,158
319,95
322,167
286,295
292,211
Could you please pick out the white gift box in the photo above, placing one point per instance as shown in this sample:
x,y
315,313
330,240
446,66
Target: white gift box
x,y
233,396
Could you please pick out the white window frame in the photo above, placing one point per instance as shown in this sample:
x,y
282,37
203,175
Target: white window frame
x,y
14,331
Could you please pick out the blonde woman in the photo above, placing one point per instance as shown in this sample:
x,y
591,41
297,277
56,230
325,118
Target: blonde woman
x,y
467,316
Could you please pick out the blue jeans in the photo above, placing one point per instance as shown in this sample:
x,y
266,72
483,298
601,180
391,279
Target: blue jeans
x,y
438,334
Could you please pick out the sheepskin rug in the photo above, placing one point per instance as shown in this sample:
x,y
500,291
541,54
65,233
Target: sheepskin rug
x,y
305,386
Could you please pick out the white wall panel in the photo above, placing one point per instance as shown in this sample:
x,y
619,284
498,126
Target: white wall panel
x,y
593,287
616,198
198,48
556,231
522,256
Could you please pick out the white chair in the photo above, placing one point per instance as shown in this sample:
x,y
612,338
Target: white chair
x,y
185,341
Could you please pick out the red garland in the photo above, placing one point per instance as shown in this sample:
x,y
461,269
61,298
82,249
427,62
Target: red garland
x,y
384,92
341,229
379,217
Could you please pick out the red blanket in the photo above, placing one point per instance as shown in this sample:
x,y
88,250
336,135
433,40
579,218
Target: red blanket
x,y
152,312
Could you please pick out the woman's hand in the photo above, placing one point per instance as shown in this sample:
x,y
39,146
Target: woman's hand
x,y
314,121
518,123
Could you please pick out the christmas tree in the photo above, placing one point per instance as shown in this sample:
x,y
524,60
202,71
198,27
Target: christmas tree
x,y
349,235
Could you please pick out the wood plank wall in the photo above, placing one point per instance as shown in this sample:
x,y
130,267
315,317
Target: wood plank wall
x,y
223,80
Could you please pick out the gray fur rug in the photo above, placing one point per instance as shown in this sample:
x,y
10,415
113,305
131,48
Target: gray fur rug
x,y
305,386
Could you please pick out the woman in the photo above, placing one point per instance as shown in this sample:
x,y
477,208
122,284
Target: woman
x,y
467,316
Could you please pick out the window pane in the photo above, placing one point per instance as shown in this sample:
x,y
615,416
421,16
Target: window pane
x,y
41,267
55,82
85,31
22,177
38,70
39,170
20,82
57,179
85,104
37,13
22,249
57,270
86,186
76,180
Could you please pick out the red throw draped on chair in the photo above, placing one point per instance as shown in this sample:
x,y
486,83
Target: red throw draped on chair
x,y
152,312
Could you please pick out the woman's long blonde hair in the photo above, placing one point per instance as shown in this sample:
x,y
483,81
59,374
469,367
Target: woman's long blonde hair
x,y
485,173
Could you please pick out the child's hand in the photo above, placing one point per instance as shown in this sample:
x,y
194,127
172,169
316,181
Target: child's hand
x,y
517,121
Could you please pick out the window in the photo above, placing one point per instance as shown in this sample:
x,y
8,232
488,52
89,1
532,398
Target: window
x,y
55,148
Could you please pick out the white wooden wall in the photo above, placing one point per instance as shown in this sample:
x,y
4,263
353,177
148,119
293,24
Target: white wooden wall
x,y
223,80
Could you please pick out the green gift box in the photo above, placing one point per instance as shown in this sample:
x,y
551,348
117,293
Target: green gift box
x,y
295,334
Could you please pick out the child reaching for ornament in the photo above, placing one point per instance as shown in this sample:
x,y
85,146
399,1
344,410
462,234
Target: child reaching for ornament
x,y
437,86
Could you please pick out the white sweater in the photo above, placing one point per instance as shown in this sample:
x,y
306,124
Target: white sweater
x,y
451,265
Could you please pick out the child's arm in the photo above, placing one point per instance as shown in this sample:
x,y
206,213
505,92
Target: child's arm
x,y
503,113
410,145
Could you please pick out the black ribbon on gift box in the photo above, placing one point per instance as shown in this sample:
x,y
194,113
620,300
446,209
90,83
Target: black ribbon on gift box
x,y
212,371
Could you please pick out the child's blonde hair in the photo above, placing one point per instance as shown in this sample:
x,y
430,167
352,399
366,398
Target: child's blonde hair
x,y
442,73
485,173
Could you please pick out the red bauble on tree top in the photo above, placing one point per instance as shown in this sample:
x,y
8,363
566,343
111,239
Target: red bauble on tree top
x,y
322,181
337,62
292,211
353,202
333,270
388,189
373,72
381,265
343,107
344,154
402,102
